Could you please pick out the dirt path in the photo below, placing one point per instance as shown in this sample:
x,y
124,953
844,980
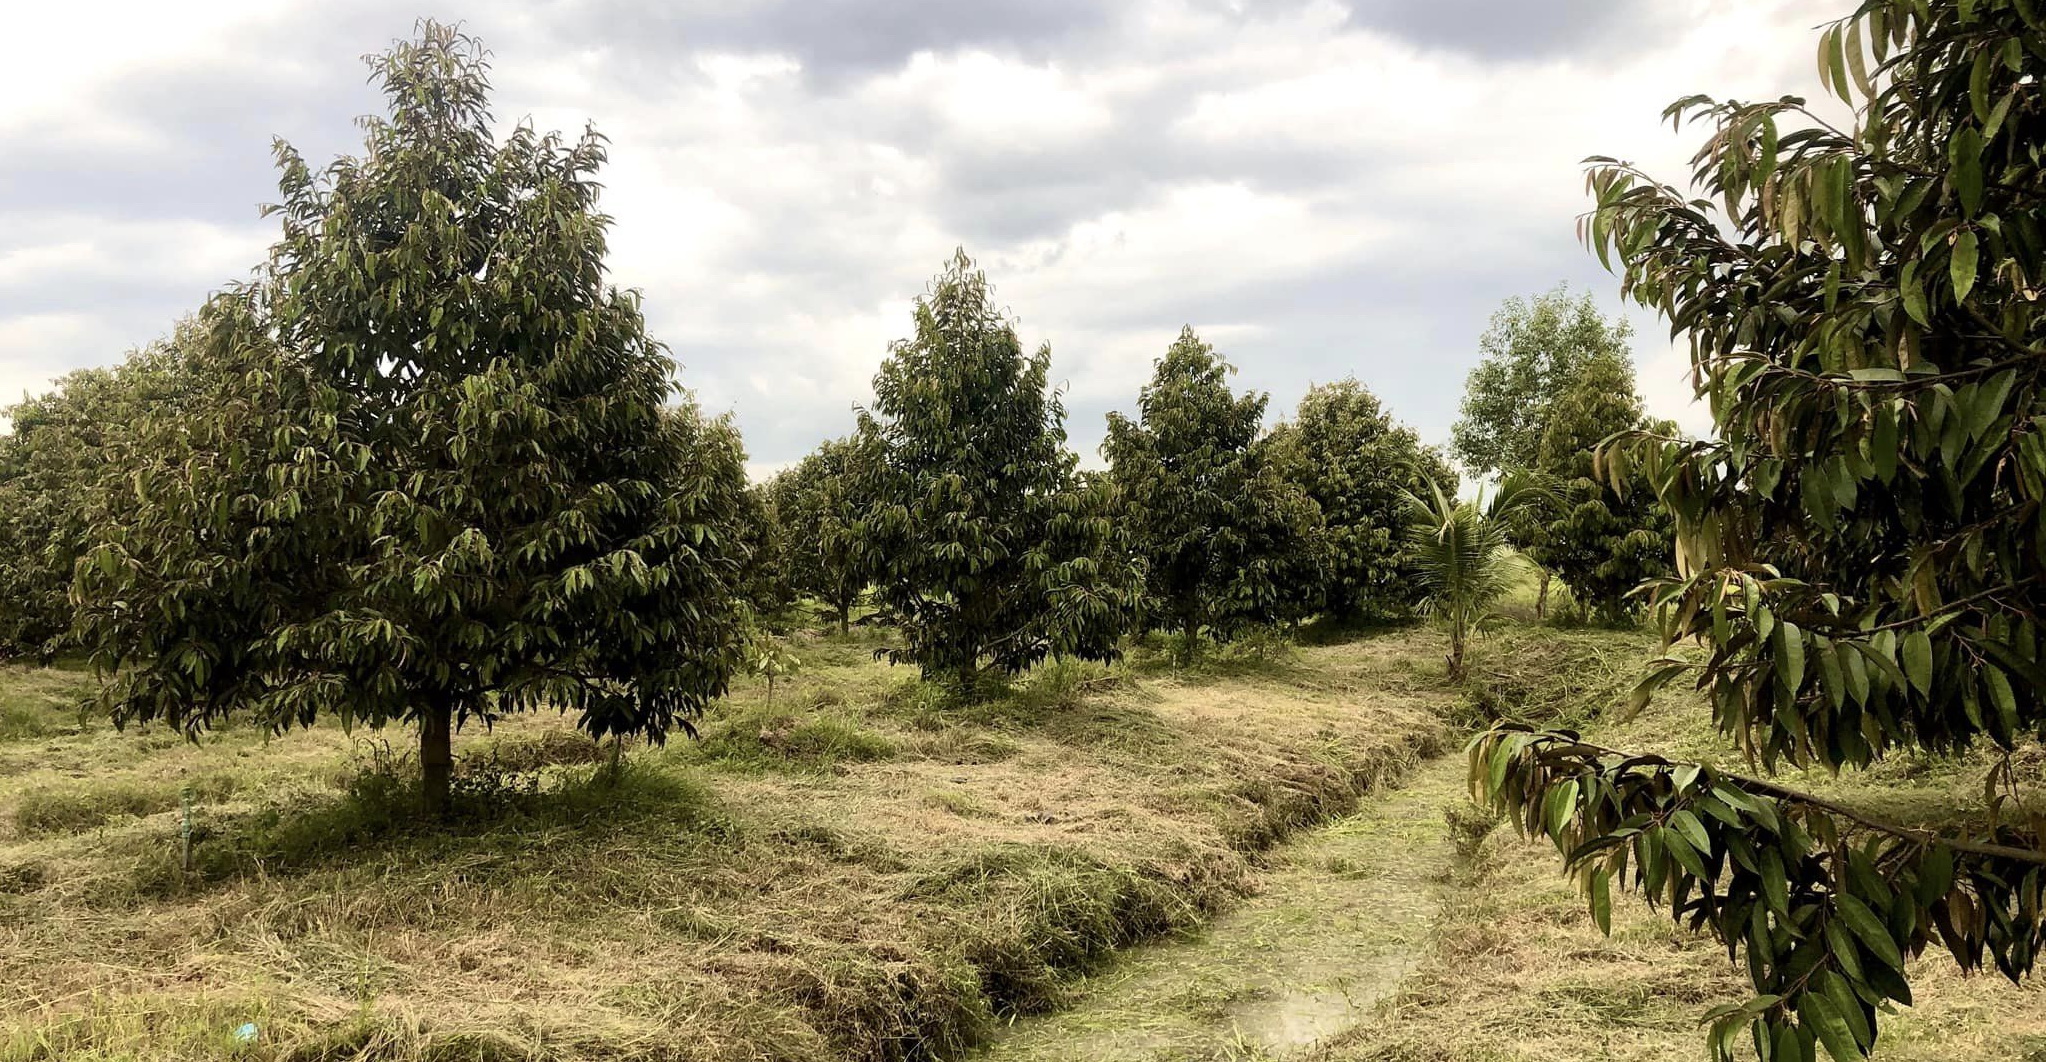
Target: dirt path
x,y
1343,915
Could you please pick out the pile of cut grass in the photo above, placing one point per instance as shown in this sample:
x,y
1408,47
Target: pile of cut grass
x,y
858,871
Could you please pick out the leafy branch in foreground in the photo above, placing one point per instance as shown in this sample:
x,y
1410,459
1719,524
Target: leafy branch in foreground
x,y
1859,546
1824,902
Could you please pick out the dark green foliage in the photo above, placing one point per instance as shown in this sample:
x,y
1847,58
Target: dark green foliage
x,y
1358,465
1556,380
819,506
1534,353
437,478
51,457
982,540
1603,539
1228,541
1859,550
766,583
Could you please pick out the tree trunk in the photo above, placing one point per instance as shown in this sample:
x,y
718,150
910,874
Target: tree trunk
x,y
436,757
844,618
1542,594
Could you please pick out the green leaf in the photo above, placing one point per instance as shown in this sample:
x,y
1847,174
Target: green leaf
x,y
1602,902
1870,930
1693,830
1917,659
1965,153
1775,887
2003,697
1789,655
1680,849
1913,294
1842,997
1818,1014
1963,264
1561,805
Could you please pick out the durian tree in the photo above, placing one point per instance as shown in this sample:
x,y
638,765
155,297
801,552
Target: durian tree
x,y
980,536
1861,565
440,473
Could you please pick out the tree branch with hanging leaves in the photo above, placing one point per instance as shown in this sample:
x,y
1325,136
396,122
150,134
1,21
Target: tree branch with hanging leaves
x,y
1859,546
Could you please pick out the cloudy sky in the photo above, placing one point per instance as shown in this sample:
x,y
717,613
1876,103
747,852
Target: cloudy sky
x,y
1322,188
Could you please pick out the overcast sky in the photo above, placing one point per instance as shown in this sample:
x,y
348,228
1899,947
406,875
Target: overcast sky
x,y
1321,188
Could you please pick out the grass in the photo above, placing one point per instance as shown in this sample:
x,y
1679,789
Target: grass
x,y
865,870
860,871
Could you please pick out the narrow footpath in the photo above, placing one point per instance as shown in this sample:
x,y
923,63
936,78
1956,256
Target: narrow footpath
x,y
1343,915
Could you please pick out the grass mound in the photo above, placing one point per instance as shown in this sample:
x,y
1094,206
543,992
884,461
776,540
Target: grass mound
x,y
1552,678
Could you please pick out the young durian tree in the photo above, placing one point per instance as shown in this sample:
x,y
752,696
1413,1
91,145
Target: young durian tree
x,y
979,534
440,477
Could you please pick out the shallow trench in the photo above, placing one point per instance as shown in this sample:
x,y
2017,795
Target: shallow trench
x,y
1343,914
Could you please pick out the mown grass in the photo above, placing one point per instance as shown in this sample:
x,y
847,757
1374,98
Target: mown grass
x,y
862,870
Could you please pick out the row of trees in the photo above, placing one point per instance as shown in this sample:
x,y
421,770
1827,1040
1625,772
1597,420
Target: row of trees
x,y
428,466
959,503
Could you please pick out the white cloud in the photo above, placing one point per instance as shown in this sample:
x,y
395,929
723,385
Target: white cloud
x,y
1323,194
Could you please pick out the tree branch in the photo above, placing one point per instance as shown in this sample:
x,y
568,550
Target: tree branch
x,y
1764,787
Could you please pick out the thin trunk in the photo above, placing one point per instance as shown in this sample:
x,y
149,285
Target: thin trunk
x,y
436,756
844,617
1541,595
969,680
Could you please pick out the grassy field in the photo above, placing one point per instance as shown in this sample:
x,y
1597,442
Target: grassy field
x,y
859,871
855,871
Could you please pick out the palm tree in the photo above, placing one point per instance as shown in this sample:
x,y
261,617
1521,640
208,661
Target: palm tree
x,y
1464,557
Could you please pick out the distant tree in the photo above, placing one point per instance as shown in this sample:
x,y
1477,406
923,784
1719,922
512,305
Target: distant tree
x,y
980,537
1464,558
1859,543
820,506
767,581
1227,541
1358,465
1532,354
52,457
1603,541
435,478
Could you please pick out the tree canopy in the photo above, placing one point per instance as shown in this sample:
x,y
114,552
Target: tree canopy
x,y
439,477
1227,541
1533,353
1603,539
1859,549
51,458
819,506
1359,465
981,539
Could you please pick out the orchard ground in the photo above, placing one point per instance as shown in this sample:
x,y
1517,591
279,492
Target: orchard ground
x,y
856,871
